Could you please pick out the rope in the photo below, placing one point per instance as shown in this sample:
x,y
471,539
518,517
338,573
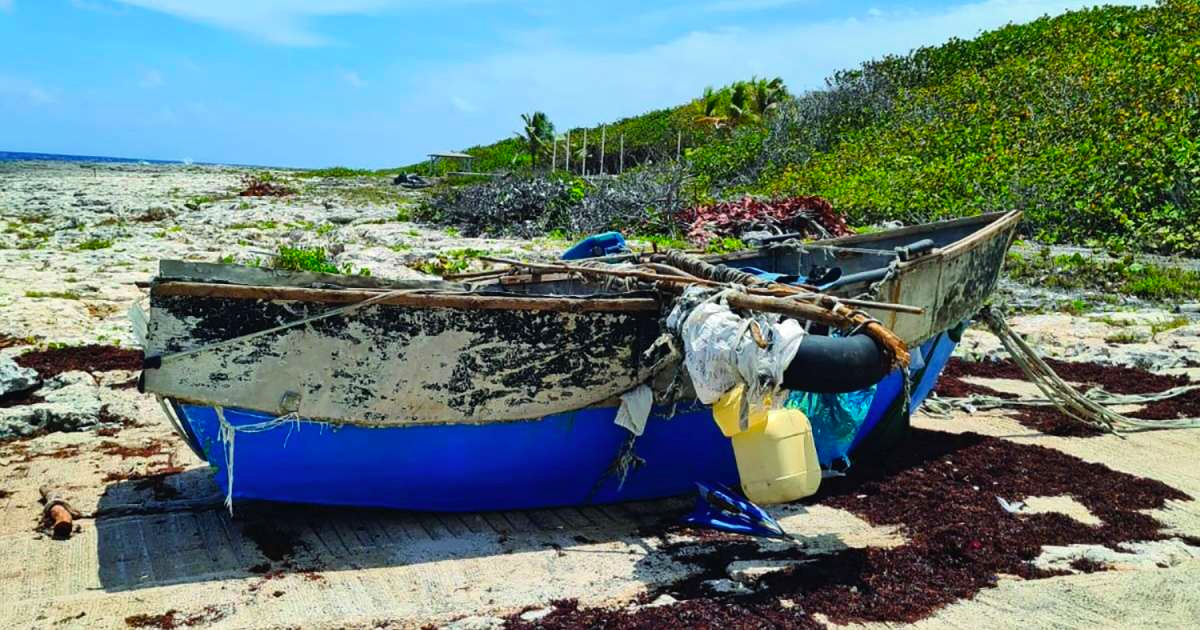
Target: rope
x,y
942,407
719,273
227,434
1091,408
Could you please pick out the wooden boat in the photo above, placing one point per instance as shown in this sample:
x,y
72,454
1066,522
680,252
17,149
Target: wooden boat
x,y
331,389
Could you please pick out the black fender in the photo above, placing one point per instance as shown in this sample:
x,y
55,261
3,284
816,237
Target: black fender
x,y
835,365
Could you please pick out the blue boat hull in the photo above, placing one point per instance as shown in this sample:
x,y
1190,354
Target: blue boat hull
x,y
564,459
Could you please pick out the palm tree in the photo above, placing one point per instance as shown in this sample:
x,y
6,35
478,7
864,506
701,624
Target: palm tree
x,y
537,136
768,95
741,107
712,107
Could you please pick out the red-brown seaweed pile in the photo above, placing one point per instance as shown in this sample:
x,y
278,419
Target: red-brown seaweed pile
x,y
941,490
92,358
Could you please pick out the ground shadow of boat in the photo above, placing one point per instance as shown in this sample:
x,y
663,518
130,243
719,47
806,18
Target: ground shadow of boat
x,y
176,529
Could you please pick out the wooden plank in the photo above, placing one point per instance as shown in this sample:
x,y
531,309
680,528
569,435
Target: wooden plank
x,y
419,300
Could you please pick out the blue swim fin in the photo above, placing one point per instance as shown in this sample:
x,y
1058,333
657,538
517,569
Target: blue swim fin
x,y
722,509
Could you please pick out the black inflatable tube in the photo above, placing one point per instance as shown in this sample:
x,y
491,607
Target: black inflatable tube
x,y
834,365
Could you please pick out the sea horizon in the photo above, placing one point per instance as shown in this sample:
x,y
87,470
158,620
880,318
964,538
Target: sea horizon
x,y
31,156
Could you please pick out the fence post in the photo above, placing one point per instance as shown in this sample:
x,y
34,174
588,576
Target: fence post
x,y
583,170
553,153
621,166
603,137
568,167
678,145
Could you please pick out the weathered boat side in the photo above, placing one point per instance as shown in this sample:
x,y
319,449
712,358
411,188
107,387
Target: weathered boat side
x,y
953,282
392,364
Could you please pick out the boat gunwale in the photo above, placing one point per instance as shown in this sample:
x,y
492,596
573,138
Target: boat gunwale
x,y
989,224
419,299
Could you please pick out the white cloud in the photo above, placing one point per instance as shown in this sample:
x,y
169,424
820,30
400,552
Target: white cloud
x,y
285,22
151,78
351,77
463,105
23,91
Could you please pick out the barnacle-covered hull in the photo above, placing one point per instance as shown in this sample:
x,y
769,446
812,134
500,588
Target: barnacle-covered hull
x,y
492,400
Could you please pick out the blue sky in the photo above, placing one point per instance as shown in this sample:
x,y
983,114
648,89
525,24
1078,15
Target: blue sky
x,y
374,83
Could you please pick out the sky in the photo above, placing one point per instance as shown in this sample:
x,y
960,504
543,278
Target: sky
x,y
378,83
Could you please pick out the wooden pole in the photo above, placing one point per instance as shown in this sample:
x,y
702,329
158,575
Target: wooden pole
x,y
584,167
568,168
554,154
603,137
678,145
621,166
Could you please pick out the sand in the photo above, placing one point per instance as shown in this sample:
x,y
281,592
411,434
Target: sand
x,y
155,538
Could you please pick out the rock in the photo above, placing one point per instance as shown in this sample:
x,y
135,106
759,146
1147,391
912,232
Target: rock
x,y
753,570
70,402
536,614
727,587
410,180
661,600
341,219
476,622
15,379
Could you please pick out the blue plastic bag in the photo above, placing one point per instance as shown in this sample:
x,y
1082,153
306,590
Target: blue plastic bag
x,y
597,245
835,419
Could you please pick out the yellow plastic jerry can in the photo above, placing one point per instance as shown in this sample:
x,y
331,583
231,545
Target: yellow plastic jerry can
x,y
776,456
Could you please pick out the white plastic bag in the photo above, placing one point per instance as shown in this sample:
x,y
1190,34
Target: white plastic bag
x,y
720,352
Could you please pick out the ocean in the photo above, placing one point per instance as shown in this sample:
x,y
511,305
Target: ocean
x,y
11,156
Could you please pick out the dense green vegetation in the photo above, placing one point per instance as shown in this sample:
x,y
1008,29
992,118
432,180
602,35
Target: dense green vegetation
x,y
1089,121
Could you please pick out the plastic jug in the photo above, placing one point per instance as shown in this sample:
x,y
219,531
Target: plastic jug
x,y
777,459
776,455
727,411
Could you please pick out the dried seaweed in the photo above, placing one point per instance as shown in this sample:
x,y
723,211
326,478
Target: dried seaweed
x,y
91,358
940,489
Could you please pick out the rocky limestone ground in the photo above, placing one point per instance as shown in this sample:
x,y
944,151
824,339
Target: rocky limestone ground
x,y
154,546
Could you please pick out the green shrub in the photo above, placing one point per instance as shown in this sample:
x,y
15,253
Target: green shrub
x,y
304,259
95,243
1089,121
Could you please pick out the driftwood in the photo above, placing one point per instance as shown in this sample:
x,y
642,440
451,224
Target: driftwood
x,y
57,514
